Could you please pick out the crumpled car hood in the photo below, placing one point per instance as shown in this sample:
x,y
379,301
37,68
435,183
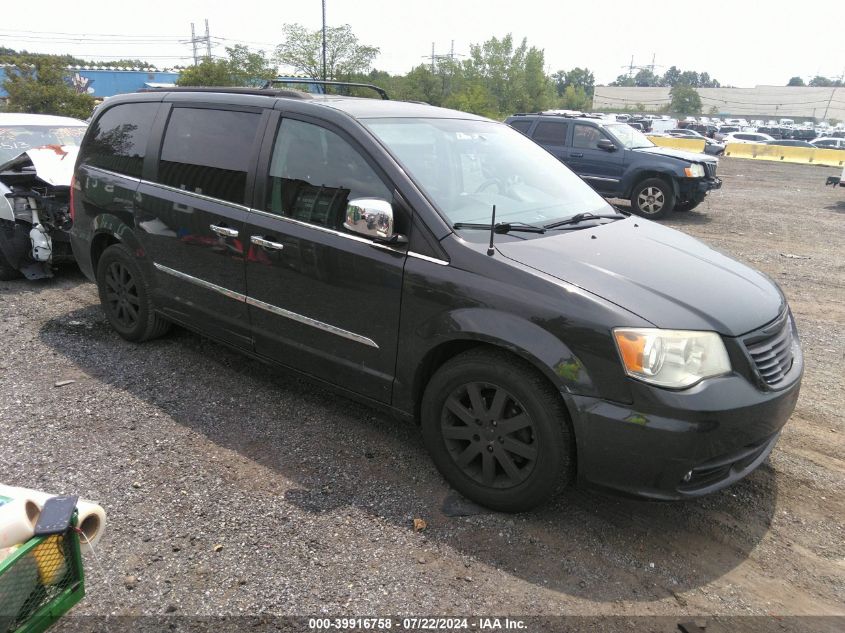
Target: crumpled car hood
x,y
53,163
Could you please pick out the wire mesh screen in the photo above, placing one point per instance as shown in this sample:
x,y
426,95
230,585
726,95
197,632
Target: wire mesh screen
x,y
37,575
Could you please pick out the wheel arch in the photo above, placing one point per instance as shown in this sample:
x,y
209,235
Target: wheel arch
x,y
107,230
539,348
644,174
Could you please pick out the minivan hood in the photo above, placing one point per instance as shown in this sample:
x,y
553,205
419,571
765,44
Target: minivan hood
x,y
690,157
660,274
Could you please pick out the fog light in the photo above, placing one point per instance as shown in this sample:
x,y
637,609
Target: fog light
x,y
687,477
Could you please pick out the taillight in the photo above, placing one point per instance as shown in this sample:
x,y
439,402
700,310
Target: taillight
x,y
70,208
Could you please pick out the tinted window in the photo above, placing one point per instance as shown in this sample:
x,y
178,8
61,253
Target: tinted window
x,y
314,173
521,126
585,136
118,139
550,133
208,152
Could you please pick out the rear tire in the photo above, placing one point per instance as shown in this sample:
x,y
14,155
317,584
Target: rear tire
x,y
125,296
653,198
497,430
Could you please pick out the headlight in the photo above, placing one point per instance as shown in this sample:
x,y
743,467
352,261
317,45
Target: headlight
x,y
671,358
694,171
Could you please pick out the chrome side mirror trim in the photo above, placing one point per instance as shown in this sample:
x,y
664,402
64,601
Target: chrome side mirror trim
x,y
370,217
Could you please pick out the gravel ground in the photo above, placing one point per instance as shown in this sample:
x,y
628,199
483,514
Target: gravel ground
x,y
234,488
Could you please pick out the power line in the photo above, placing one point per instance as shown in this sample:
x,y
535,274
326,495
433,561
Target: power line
x,y
88,34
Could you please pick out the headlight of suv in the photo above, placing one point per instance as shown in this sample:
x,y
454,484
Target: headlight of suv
x,y
671,358
694,171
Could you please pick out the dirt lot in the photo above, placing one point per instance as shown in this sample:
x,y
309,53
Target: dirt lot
x,y
189,446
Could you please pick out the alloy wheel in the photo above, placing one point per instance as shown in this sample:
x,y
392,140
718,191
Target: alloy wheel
x,y
489,435
651,200
122,295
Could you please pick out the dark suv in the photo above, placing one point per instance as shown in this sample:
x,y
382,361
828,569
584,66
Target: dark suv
x,y
620,162
443,267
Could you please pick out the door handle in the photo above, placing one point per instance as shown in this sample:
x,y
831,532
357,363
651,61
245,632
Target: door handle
x,y
265,243
224,231
577,154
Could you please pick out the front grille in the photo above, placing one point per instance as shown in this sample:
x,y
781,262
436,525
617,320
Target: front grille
x,y
771,351
710,170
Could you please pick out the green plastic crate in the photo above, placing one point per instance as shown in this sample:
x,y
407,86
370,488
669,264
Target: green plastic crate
x,y
40,582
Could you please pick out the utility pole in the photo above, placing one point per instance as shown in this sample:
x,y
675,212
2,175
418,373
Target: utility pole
x,y
207,40
833,92
433,57
194,42
324,40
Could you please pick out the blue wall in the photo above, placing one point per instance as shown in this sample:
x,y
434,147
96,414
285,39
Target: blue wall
x,y
107,83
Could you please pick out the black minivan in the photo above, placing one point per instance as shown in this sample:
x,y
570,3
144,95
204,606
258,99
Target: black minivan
x,y
447,269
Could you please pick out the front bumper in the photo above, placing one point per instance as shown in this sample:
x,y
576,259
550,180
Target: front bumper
x,y
679,444
707,184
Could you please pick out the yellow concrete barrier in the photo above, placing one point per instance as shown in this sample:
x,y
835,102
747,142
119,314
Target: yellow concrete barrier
x,y
688,144
780,153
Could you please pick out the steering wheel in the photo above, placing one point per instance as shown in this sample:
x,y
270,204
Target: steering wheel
x,y
489,183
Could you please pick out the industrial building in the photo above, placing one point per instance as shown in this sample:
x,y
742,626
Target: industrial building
x,y
770,102
106,82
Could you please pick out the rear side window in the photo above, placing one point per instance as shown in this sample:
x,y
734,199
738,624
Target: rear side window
x,y
522,125
209,152
118,138
550,133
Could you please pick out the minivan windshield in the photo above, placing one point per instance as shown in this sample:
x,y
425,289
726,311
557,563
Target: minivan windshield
x,y
465,167
630,137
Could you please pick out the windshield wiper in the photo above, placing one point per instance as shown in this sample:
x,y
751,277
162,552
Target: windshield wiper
x,y
501,227
583,217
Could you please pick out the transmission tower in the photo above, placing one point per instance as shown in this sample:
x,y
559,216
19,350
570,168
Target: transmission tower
x,y
199,40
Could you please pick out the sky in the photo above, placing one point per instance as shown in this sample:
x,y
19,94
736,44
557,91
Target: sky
x,y
740,43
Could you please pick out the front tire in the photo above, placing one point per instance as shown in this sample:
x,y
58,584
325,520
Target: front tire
x,y
497,430
7,273
653,198
689,205
125,296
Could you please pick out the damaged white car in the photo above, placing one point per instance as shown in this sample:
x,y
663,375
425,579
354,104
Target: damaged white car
x,y
37,155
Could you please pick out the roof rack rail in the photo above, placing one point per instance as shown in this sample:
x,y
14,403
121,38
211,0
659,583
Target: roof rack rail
x,y
264,92
320,82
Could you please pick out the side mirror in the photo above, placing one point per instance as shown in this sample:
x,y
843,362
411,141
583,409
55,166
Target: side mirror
x,y
373,218
606,144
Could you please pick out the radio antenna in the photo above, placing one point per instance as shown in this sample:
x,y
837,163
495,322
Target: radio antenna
x,y
490,250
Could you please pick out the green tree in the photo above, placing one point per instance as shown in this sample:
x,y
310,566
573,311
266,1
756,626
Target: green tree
x,y
41,88
575,99
513,76
578,77
796,81
345,55
684,99
623,80
241,67
671,76
824,82
646,77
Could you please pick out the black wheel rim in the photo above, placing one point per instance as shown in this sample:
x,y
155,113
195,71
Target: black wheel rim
x,y
489,435
122,295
